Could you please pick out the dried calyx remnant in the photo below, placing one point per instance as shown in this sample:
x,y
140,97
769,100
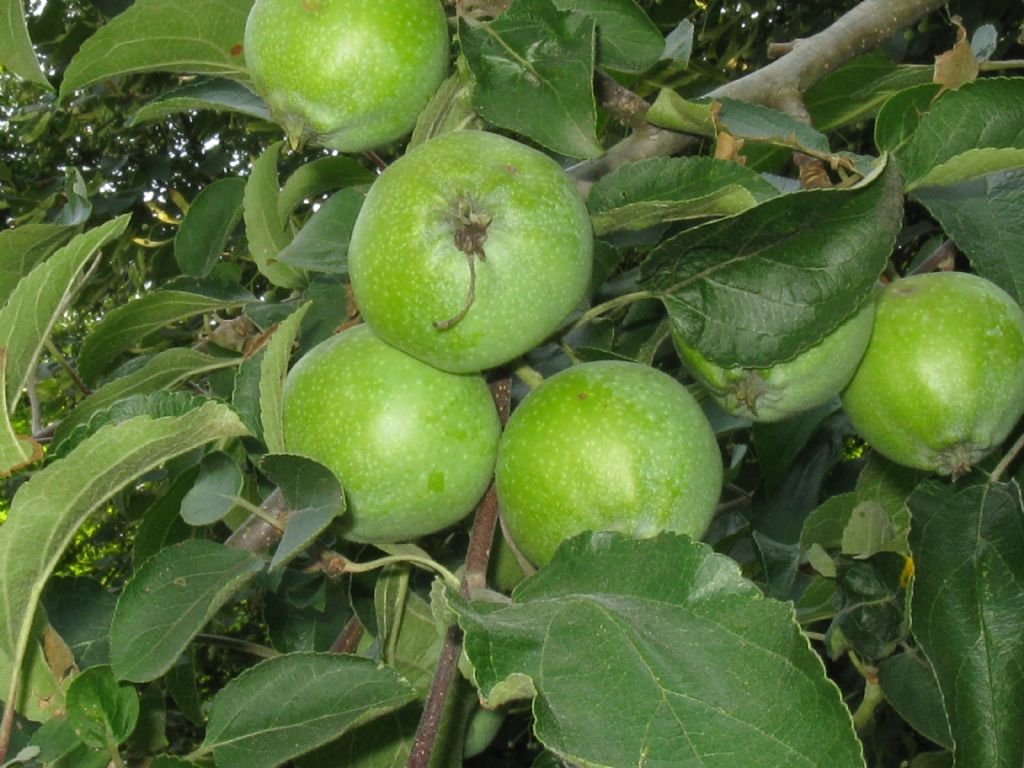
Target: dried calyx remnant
x,y
470,233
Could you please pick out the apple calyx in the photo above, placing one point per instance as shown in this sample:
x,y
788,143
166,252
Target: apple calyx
x,y
749,390
469,233
958,460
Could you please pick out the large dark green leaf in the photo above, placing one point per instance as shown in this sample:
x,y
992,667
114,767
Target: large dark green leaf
x,y
534,70
985,218
756,288
657,652
967,612
627,40
987,113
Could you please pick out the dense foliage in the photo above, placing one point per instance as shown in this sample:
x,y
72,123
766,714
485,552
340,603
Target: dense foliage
x,y
177,588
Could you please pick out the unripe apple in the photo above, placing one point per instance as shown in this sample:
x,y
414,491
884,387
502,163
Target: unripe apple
x,y
812,378
606,446
412,446
470,250
942,381
347,74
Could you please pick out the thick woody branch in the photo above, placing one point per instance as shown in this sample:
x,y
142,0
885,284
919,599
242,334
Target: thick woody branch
x,y
861,29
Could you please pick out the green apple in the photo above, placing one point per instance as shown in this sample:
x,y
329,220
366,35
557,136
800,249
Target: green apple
x,y
810,379
347,74
470,250
413,447
606,446
942,381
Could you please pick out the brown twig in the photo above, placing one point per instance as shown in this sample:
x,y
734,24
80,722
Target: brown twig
x,y
256,534
861,29
481,538
942,258
348,640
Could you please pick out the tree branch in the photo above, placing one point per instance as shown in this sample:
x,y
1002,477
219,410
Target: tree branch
x,y
861,29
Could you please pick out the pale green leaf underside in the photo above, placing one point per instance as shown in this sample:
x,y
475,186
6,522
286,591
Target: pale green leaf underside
x,y
16,52
216,94
33,306
273,369
126,326
202,37
23,248
48,509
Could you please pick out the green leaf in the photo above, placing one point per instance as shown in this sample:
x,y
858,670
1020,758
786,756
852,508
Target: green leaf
x,y
858,89
534,69
35,304
61,748
900,115
219,484
986,113
322,243
679,43
627,39
169,600
662,189
153,404
210,220
47,511
215,94
971,164
25,247
657,652
754,122
273,369
126,326
201,37
16,52
16,451
102,712
985,218
757,288
245,392
449,109
80,609
161,523
314,499
910,688
870,606
319,176
744,120
968,612
328,694
264,222
164,370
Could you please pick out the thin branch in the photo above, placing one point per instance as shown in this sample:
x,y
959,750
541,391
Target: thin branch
x,y
236,644
941,258
861,29
348,640
481,538
1008,459
68,368
256,534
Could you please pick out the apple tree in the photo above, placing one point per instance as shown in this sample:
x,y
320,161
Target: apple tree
x,y
511,383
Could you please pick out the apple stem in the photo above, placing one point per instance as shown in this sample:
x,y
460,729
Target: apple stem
x,y
481,539
603,308
443,325
1007,460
